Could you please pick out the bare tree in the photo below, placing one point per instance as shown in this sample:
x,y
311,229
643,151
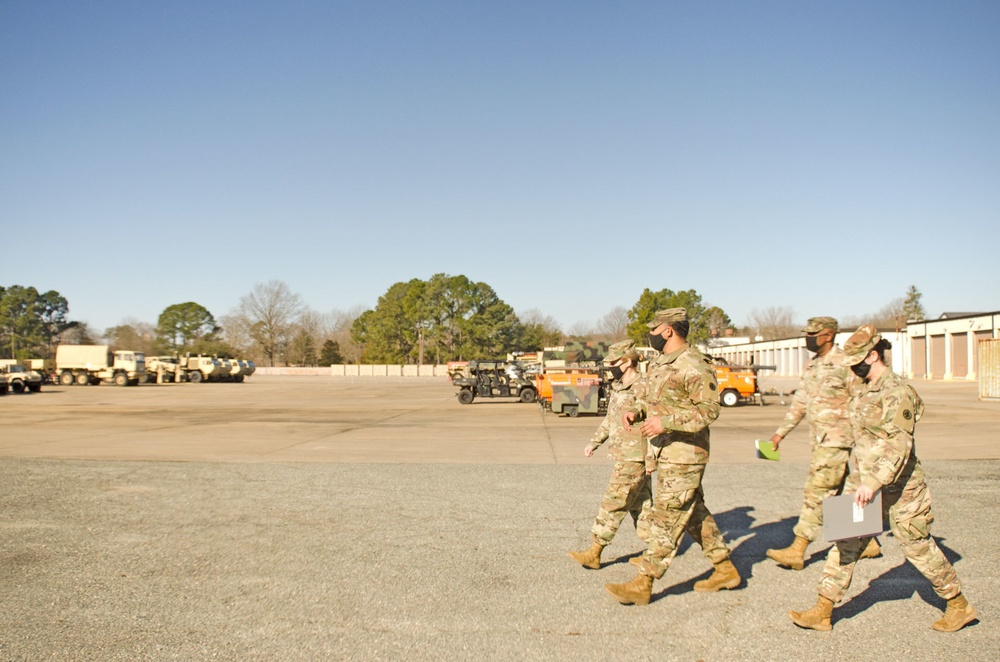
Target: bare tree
x,y
773,322
266,316
581,329
614,325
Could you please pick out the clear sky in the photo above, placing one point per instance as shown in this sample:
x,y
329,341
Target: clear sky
x,y
821,156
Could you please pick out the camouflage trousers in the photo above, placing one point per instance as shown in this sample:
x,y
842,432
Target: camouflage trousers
x,y
827,472
628,491
907,505
679,508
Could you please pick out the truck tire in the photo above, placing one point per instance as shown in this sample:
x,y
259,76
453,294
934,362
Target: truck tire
x,y
528,395
17,386
66,378
465,396
35,388
730,398
121,379
195,377
571,410
82,379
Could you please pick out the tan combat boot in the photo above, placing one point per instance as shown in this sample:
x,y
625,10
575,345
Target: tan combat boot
x,y
792,556
725,575
635,592
958,614
590,558
873,550
817,618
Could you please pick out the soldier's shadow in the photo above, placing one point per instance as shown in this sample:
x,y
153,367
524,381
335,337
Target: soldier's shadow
x,y
898,583
737,524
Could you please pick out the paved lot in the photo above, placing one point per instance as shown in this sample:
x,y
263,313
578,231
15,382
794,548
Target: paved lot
x,y
314,518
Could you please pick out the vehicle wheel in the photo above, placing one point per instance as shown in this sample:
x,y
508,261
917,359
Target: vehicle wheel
x,y
82,379
66,379
35,388
730,398
239,380
121,379
571,410
194,377
465,396
528,395
17,386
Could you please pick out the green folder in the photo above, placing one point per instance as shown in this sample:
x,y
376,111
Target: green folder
x,y
765,451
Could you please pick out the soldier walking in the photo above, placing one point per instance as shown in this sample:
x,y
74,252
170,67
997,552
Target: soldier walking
x,y
823,398
629,488
884,416
677,400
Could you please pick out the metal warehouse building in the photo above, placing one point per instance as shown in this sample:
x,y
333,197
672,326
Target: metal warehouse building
x,y
945,348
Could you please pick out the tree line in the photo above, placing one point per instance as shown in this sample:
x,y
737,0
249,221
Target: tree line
x,y
440,319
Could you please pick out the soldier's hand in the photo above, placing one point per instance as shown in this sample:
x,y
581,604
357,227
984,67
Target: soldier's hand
x,y
627,420
588,451
775,440
652,427
863,496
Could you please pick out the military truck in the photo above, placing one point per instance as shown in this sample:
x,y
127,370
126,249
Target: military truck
x,y
19,379
493,379
240,370
202,368
92,364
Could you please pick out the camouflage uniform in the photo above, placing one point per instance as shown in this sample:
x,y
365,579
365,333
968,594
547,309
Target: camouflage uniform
x,y
681,389
823,398
884,415
629,488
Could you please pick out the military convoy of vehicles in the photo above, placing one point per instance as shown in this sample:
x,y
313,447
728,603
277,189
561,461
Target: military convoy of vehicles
x,y
93,364
19,379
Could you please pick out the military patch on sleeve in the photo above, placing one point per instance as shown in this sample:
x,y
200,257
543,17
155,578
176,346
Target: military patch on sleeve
x,y
712,386
904,419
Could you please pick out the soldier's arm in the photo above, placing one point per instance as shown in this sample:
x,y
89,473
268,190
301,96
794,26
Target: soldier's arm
x,y
893,441
796,411
602,433
698,411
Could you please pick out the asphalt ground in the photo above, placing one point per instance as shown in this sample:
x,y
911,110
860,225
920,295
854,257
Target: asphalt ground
x,y
326,518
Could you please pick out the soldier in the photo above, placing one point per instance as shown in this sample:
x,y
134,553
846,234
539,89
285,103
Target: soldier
x,y
884,415
678,400
823,398
629,489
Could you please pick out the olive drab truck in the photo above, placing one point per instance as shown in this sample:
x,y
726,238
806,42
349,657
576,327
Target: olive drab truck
x,y
93,364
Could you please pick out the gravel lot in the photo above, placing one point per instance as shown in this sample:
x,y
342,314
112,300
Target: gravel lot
x,y
325,518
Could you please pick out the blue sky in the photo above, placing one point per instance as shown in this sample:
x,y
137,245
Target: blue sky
x,y
821,156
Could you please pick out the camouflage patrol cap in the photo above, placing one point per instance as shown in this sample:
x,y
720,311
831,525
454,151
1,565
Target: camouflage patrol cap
x,y
860,344
620,350
668,316
817,324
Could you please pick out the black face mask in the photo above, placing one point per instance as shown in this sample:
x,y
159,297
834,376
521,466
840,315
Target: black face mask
x,y
657,342
812,344
862,369
616,372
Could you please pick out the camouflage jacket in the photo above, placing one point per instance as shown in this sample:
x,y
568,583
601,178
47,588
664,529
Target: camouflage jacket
x,y
823,396
680,388
885,414
626,445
